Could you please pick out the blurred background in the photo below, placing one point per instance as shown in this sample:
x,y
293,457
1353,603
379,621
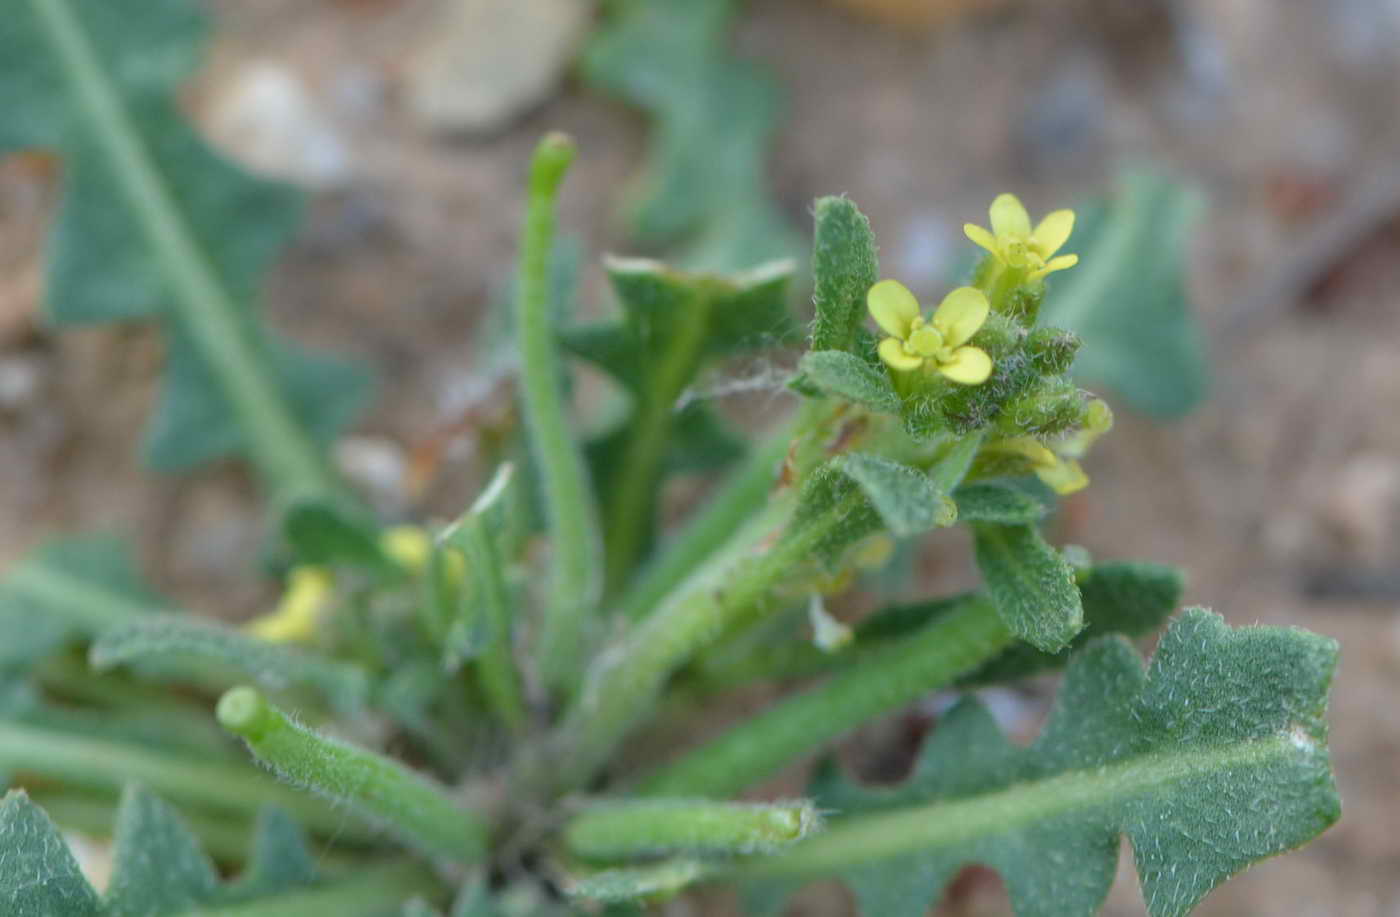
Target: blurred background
x,y
409,123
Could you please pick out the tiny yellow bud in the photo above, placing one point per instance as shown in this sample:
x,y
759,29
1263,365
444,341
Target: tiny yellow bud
x,y
294,620
408,546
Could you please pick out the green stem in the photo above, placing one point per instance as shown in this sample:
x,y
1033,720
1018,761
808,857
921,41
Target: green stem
x,y
887,680
380,789
624,684
650,828
743,493
372,892
962,822
632,501
106,765
281,447
568,503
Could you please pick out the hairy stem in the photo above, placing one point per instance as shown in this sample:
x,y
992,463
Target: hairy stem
x,y
569,506
934,658
281,447
380,789
624,683
649,828
500,680
741,495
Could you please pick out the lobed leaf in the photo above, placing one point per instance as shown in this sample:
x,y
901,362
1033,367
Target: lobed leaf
x,y
38,875
154,225
1213,758
704,181
1127,299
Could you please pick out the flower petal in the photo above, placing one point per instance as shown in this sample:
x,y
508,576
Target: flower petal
x,y
1009,217
981,236
1057,264
961,313
893,307
892,352
1053,232
1064,477
969,366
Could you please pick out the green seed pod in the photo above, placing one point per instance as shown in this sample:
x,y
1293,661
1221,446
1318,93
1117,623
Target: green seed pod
x,y
1052,350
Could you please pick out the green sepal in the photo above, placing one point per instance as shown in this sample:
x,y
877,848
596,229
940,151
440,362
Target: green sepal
x,y
1127,298
1212,759
1031,585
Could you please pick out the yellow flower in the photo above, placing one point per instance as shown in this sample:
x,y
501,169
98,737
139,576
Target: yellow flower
x,y
940,344
408,546
1057,463
308,590
1016,245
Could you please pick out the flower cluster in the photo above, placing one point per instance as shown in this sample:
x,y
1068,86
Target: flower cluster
x,y
939,344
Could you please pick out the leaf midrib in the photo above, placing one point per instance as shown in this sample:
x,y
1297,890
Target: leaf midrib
x,y
277,441
882,836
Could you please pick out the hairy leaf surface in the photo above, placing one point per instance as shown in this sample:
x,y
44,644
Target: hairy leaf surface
x,y
1213,758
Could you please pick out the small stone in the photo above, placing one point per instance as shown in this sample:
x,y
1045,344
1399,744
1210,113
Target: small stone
x,y
489,61
268,121
379,467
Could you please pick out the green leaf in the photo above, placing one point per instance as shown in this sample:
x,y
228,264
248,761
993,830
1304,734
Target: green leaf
x,y
673,324
158,866
69,589
848,376
1212,759
1132,599
1031,585
319,532
275,666
1127,298
280,859
909,503
704,182
38,875
986,502
844,268
154,225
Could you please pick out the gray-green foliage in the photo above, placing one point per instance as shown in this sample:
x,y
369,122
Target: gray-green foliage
x,y
154,225
1211,759
276,667
70,589
1127,299
702,186
673,325
158,866
1030,583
